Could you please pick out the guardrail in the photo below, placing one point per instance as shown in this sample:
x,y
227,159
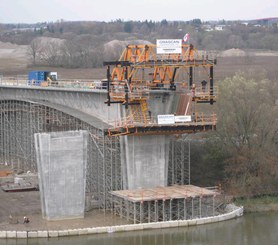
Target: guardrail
x,y
76,84
197,119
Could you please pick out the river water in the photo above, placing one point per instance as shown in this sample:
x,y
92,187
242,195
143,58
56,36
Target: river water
x,y
251,229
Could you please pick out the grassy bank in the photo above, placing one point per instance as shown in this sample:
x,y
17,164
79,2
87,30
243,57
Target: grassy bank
x,y
258,204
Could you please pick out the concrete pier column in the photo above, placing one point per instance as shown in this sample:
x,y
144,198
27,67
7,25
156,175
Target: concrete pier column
x,y
62,159
145,161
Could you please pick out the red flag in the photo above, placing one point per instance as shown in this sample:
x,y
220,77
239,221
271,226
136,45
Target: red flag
x,y
186,37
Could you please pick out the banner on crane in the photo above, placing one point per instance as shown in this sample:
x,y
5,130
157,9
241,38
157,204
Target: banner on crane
x,y
168,46
166,119
182,119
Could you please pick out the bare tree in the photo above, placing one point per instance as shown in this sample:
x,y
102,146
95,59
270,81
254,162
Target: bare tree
x,y
50,53
248,129
34,49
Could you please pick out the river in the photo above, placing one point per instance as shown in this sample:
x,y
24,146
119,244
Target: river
x,y
251,229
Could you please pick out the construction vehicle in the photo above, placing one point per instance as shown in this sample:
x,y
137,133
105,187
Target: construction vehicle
x,y
42,78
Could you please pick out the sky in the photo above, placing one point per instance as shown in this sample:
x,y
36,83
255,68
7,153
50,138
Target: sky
x,y
33,11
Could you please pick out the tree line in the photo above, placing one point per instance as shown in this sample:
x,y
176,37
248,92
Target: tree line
x,y
242,153
83,42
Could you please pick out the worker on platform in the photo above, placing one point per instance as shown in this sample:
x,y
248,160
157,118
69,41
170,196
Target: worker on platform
x,y
204,84
193,90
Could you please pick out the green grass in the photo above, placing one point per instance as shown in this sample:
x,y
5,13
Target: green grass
x,y
257,204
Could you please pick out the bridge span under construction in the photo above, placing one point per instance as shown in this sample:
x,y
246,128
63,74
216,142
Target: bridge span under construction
x,y
136,155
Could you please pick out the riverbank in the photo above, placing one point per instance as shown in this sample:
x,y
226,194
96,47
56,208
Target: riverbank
x,y
232,212
258,204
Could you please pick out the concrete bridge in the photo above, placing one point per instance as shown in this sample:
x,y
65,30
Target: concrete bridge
x,y
149,157
140,156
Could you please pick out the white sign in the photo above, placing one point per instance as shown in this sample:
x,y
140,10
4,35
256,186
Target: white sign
x,y
168,46
181,119
166,119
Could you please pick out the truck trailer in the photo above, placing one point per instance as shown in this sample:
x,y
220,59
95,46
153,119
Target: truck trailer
x,y
42,78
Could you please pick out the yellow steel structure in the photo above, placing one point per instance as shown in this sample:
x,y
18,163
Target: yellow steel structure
x,y
141,69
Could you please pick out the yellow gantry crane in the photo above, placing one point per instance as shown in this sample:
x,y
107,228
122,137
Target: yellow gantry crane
x,y
140,70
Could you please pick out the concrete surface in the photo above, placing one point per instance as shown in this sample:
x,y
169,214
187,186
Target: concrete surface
x,y
146,161
62,159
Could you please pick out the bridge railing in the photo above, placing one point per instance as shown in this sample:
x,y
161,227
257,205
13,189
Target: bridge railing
x,y
63,83
197,119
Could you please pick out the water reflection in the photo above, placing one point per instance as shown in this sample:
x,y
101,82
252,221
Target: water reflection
x,y
251,229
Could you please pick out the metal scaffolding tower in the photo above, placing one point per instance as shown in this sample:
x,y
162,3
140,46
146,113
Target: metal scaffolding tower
x,y
179,202
20,120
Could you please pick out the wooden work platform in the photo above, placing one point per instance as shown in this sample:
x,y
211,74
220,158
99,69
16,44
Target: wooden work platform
x,y
155,129
165,193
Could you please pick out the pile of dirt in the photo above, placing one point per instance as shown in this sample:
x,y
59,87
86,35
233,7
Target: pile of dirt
x,y
117,43
233,52
9,50
8,45
114,48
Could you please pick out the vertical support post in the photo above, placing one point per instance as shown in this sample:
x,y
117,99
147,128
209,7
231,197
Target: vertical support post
x,y
172,163
172,82
189,163
149,212
213,203
184,209
121,207
211,84
155,211
170,209
190,76
134,213
200,207
182,169
163,210
126,73
192,208
141,212
178,214
108,85
112,205
126,96
127,210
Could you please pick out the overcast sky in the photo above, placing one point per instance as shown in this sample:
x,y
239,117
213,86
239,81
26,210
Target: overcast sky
x,y
33,11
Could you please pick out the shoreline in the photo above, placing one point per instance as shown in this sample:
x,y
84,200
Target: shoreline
x,y
232,212
96,222
266,203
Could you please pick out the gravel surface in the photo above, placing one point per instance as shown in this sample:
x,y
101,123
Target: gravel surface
x,y
20,204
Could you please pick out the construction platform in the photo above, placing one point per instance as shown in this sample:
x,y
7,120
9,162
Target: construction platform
x,y
178,202
156,129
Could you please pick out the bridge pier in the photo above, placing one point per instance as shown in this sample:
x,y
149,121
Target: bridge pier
x,y
62,159
145,161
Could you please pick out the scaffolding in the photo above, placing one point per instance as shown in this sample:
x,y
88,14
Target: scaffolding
x,y
178,202
179,162
20,120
